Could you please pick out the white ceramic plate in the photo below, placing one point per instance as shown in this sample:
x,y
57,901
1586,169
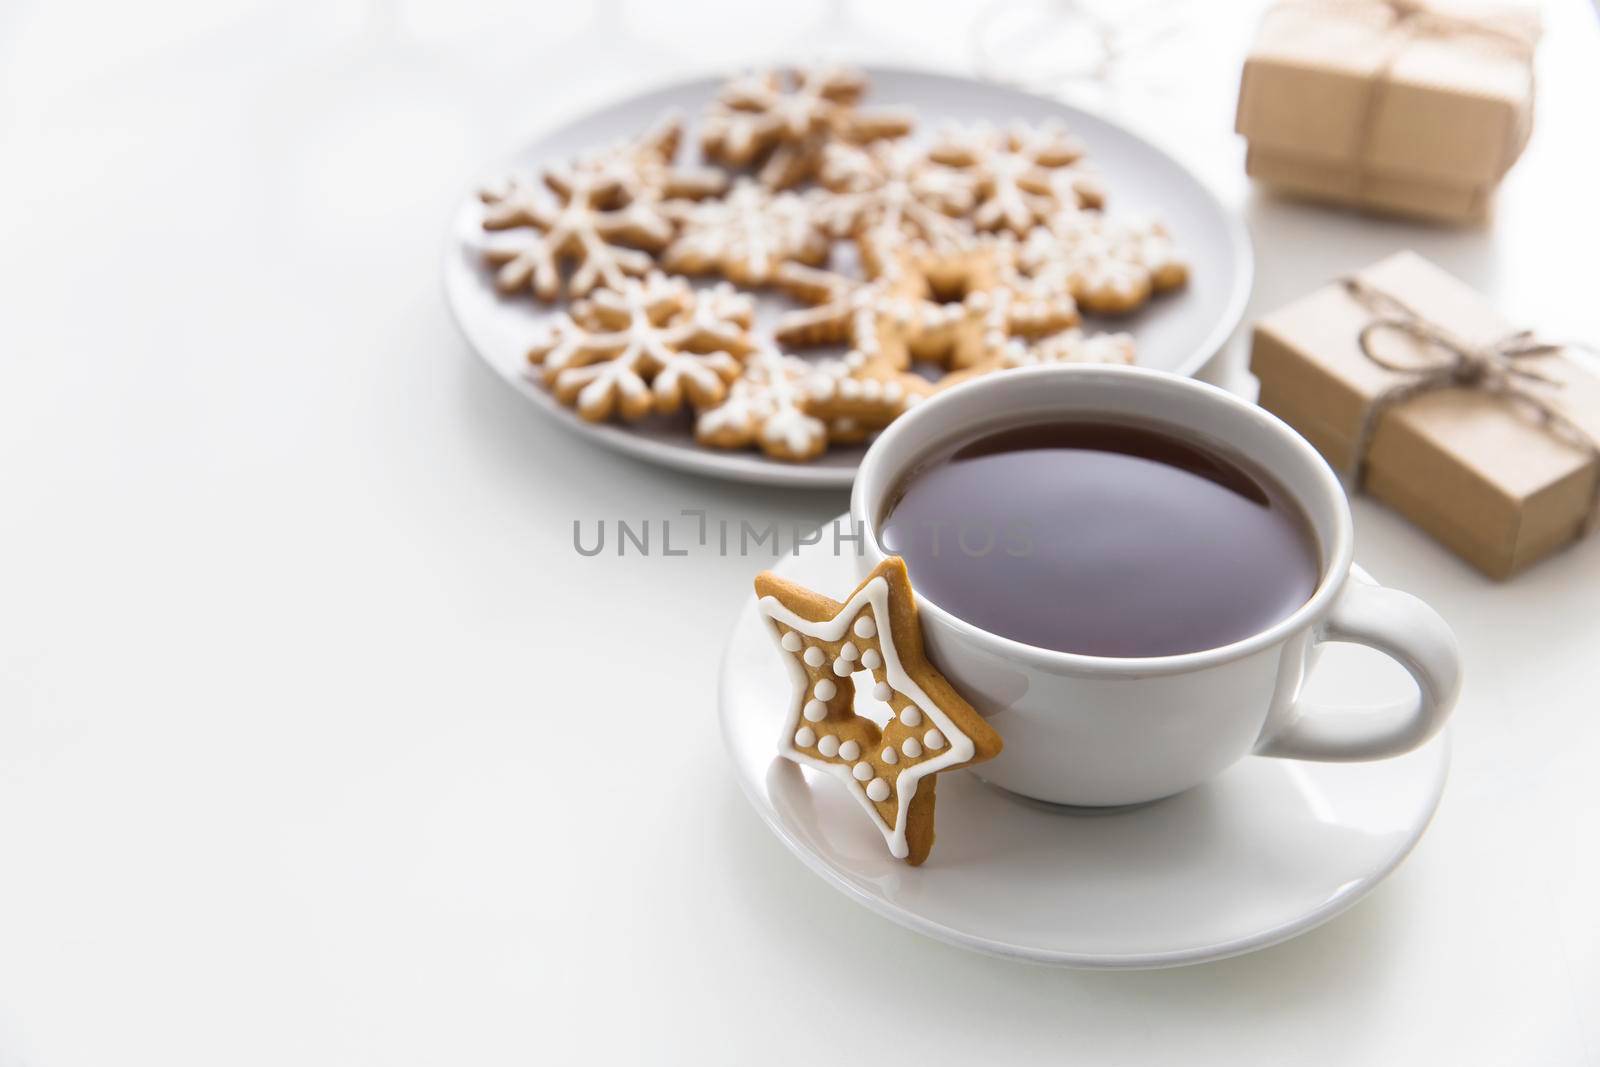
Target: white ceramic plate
x,y
1268,850
1178,333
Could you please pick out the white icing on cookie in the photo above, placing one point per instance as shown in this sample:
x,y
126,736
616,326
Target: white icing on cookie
x,y
825,689
642,346
842,667
1014,170
815,656
849,750
849,651
891,191
882,692
910,715
1069,346
889,755
532,238
805,737
781,119
766,407
874,595
1110,264
791,642
815,711
865,627
878,790
934,740
747,234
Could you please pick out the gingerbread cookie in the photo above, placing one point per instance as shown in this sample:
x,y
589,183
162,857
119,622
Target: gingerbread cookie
x,y
1022,172
646,165
954,308
747,235
593,226
1110,265
1069,346
782,119
1073,346
890,191
874,636
766,407
856,403
645,346
876,317
609,212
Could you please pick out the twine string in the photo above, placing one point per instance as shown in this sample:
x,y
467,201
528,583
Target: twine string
x,y
1410,20
1496,368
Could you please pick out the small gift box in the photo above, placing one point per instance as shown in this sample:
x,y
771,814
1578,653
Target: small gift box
x,y
1417,389
1389,105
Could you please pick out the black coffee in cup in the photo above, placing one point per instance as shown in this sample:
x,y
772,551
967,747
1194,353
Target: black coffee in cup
x,y
1102,538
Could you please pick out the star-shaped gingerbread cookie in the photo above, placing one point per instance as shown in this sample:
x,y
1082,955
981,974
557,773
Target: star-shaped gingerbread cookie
x,y
872,640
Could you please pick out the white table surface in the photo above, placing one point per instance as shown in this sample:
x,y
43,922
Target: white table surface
x,y
320,745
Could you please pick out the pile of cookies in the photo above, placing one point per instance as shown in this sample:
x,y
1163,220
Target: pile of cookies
x,y
977,249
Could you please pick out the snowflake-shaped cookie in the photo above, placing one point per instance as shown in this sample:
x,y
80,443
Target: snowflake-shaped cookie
x,y
873,640
1072,346
1022,172
955,308
766,407
1069,346
602,212
746,235
646,165
1110,265
592,224
875,317
781,119
890,191
645,346
855,401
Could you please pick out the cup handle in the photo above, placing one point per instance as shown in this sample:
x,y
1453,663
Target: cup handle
x,y
1409,632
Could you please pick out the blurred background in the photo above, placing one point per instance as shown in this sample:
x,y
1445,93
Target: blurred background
x,y
303,128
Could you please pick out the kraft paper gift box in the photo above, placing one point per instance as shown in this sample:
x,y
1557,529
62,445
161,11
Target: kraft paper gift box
x,y
1484,471
1389,106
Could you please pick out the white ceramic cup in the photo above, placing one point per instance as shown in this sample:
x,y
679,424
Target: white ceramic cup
x,y
1092,730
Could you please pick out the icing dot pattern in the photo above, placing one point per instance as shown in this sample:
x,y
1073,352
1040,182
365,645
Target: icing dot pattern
x,y
861,746
876,756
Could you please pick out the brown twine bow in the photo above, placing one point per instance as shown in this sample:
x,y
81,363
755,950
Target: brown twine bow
x,y
1410,20
1496,368
1421,19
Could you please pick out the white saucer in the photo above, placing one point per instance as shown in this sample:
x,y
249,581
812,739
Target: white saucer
x,y
1177,333
1267,851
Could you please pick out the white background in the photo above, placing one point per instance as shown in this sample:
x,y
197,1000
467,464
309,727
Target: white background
x,y
320,745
